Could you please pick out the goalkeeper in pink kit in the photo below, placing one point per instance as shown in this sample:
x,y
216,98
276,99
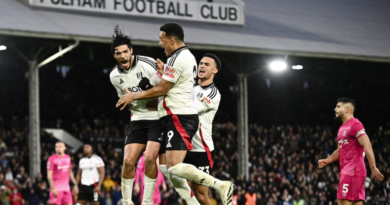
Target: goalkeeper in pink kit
x,y
59,171
353,146
139,176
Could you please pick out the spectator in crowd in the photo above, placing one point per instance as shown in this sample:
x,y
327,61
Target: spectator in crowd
x,y
15,198
108,183
3,146
5,194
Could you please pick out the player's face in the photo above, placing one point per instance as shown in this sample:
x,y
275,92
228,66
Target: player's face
x,y
339,110
60,148
87,149
165,43
123,56
207,68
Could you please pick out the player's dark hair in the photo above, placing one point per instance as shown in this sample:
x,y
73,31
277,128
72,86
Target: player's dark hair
x,y
216,59
118,39
173,30
347,100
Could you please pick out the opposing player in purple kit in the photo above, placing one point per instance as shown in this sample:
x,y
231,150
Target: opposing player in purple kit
x,y
59,170
353,146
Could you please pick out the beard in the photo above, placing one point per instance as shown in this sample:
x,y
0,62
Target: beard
x,y
338,118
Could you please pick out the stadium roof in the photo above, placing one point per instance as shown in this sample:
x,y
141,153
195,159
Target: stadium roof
x,y
349,29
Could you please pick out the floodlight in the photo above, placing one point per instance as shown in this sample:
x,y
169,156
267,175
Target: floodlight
x,y
277,65
297,67
3,47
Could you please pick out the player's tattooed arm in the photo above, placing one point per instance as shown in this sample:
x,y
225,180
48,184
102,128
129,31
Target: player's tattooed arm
x,y
364,141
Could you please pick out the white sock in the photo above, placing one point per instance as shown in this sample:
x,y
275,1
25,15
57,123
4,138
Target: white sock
x,y
191,173
127,189
164,170
149,189
180,185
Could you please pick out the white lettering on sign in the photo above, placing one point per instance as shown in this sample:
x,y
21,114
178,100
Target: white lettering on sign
x,y
169,9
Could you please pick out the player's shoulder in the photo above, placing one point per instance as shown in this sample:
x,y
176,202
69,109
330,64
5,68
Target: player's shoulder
x,y
51,157
181,56
213,92
355,121
115,72
146,61
96,157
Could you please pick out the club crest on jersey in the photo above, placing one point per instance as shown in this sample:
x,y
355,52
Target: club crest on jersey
x,y
140,75
169,72
344,133
199,95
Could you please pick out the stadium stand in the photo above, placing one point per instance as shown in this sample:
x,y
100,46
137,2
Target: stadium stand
x,y
283,163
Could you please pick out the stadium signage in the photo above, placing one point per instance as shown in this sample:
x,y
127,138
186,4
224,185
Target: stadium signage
x,y
190,10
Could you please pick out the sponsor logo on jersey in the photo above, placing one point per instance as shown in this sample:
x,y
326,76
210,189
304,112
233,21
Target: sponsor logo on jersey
x,y
169,72
342,142
64,167
134,89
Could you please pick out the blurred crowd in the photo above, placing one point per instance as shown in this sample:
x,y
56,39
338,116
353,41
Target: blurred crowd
x,y
283,163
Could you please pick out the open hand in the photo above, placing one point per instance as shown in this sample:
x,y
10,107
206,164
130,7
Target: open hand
x,y
126,99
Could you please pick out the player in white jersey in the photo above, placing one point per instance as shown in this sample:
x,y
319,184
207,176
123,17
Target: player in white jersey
x,y
145,128
206,98
178,115
90,177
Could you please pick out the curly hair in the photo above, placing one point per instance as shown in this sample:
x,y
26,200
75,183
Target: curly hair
x,y
118,39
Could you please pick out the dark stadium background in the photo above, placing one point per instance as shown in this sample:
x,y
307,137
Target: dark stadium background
x,y
305,96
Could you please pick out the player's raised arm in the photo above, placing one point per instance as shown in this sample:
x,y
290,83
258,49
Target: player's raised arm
x,y
332,158
364,141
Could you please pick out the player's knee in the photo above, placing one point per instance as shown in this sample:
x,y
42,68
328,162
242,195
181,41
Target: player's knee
x,y
128,164
150,160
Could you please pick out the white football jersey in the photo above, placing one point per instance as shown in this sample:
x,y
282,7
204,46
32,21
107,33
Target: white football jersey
x,y
180,69
122,79
89,171
206,101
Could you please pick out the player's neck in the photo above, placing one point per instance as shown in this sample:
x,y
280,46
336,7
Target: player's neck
x,y
176,46
346,119
205,82
60,155
89,155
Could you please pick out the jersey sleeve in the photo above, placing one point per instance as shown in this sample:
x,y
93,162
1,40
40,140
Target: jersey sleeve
x,y
50,164
99,162
117,87
208,102
357,130
172,73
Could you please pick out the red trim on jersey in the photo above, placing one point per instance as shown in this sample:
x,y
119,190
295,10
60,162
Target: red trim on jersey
x,y
205,146
169,112
182,132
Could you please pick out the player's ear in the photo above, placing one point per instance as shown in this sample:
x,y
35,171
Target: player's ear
x,y
215,71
